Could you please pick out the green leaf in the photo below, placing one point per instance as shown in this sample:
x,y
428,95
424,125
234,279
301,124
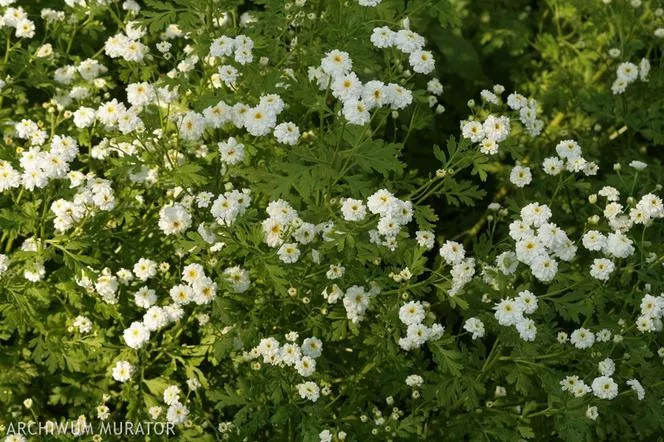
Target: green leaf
x,y
376,156
447,360
425,217
186,175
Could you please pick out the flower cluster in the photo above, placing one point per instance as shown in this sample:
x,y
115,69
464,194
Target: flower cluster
x,y
358,99
284,224
412,314
356,300
463,269
511,311
496,129
197,197
393,214
127,45
301,357
408,42
40,166
627,73
95,194
17,18
538,243
227,207
652,313
570,159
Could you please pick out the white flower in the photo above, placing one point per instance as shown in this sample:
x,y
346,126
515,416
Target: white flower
x,y
412,313
520,176
601,269
382,37
122,371
645,324
289,253
604,387
489,96
452,252
568,149
552,166
582,338
336,63
408,41
496,128
155,318
380,202
422,62
83,324
528,249
535,214
594,240
527,330
4,263
172,394
145,297
644,69
231,151
137,335
192,272
619,86
638,388
177,413
84,117
356,112
434,86
473,130
543,267
619,245
508,312
489,146
312,347
238,278
353,209
610,193
325,435
414,381
591,412
528,300
603,335
356,302
425,239
25,29
222,46
507,262
606,367
181,294
374,94
287,133
627,72
306,366
474,326
398,96
145,269
174,219
309,390
516,101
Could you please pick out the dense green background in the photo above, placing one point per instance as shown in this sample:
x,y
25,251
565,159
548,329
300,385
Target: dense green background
x,y
553,50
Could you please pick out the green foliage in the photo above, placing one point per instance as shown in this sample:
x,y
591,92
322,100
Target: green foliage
x,y
434,226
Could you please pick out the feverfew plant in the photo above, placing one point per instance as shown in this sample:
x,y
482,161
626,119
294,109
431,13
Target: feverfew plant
x,y
333,220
